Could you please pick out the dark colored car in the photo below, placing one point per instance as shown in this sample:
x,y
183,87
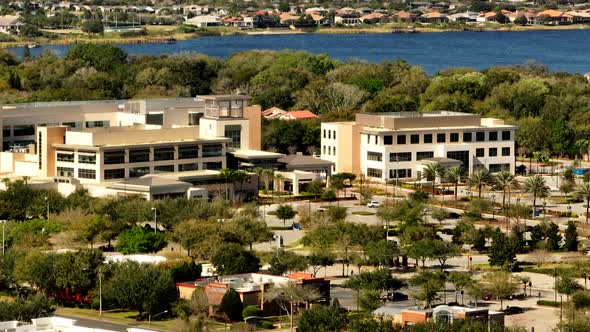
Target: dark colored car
x,y
396,296
447,231
453,304
454,215
486,297
513,310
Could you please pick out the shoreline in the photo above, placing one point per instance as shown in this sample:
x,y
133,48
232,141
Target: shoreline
x,y
335,31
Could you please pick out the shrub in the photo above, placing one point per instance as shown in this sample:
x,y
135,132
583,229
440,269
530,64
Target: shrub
x,y
267,325
548,303
140,240
251,311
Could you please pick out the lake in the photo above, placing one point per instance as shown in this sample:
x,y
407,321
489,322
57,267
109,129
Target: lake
x,y
560,50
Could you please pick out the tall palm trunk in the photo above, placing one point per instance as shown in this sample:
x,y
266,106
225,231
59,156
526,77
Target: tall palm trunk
x,y
587,208
456,185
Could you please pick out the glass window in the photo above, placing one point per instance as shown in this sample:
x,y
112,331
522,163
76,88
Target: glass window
x,y
136,172
235,133
427,138
479,152
139,155
454,137
374,172
212,150
376,140
334,135
467,137
441,138
72,124
462,156
194,119
400,173
400,156
212,165
368,139
114,157
387,140
506,135
505,152
97,124
324,133
334,150
480,136
65,171
163,168
40,149
415,139
154,118
374,156
6,131
493,136
86,173
401,139
110,174
188,167
67,157
188,151
87,159
424,155
493,152
324,149
24,130
164,153
494,168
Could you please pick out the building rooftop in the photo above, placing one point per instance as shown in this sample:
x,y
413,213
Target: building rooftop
x,y
430,114
224,97
256,154
303,160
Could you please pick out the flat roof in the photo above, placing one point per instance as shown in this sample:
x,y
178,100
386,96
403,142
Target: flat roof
x,y
224,97
429,114
385,130
255,154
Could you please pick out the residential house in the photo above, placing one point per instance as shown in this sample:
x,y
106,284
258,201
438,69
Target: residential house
x,y
375,18
486,17
405,16
10,24
434,17
318,19
345,11
554,17
318,10
365,11
242,22
204,21
464,17
580,17
298,115
273,113
288,19
347,19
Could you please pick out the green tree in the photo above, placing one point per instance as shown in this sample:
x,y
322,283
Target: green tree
x,y
583,192
321,318
369,300
252,231
92,27
232,258
126,288
454,175
460,281
500,285
505,182
432,171
102,57
553,236
319,259
502,253
380,280
442,251
571,237
231,305
566,285
521,20
480,179
429,284
284,261
536,186
140,240
285,212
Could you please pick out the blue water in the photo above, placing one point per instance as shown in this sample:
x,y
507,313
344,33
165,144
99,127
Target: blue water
x,y
560,50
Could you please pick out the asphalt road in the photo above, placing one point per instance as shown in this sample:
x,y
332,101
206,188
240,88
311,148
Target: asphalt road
x,y
98,324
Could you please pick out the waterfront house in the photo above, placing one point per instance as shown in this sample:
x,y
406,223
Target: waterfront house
x,y
204,21
375,18
347,19
10,24
554,17
464,17
405,17
434,17
580,17
486,17
288,19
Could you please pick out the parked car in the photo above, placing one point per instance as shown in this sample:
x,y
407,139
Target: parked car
x,y
373,204
454,215
510,310
396,296
453,304
447,231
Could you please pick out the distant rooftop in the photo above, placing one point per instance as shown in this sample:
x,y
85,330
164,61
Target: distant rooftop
x,y
420,114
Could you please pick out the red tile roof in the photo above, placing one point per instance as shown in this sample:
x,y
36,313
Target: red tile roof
x,y
304,114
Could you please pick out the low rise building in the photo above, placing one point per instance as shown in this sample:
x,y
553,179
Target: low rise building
x,y
385,146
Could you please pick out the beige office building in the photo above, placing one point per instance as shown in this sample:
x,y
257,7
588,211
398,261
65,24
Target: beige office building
x,y
385,146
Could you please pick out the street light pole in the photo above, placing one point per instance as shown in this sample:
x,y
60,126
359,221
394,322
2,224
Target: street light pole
x,y
493,206
47,201
3,229
155,219
100,291
154,316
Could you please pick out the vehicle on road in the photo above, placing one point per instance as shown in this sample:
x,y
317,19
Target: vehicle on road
x,y
510,310
373,204
396,296
447,231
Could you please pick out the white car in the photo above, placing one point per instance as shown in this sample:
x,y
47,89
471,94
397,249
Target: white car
x,y
373,204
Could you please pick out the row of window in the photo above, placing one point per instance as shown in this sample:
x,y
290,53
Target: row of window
x,y
29,129
119,173
331,134
407,156
329,150
393,173
162,153
82,172
480,136
68,157
492,152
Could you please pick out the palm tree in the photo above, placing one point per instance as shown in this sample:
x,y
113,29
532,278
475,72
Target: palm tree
x,y
583,191
536,185
479,179
268,175
431,172
454,175
279,178
227,174
505,182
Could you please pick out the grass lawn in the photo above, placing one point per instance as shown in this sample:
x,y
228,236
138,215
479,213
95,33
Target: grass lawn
x,y
363,213
127,317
